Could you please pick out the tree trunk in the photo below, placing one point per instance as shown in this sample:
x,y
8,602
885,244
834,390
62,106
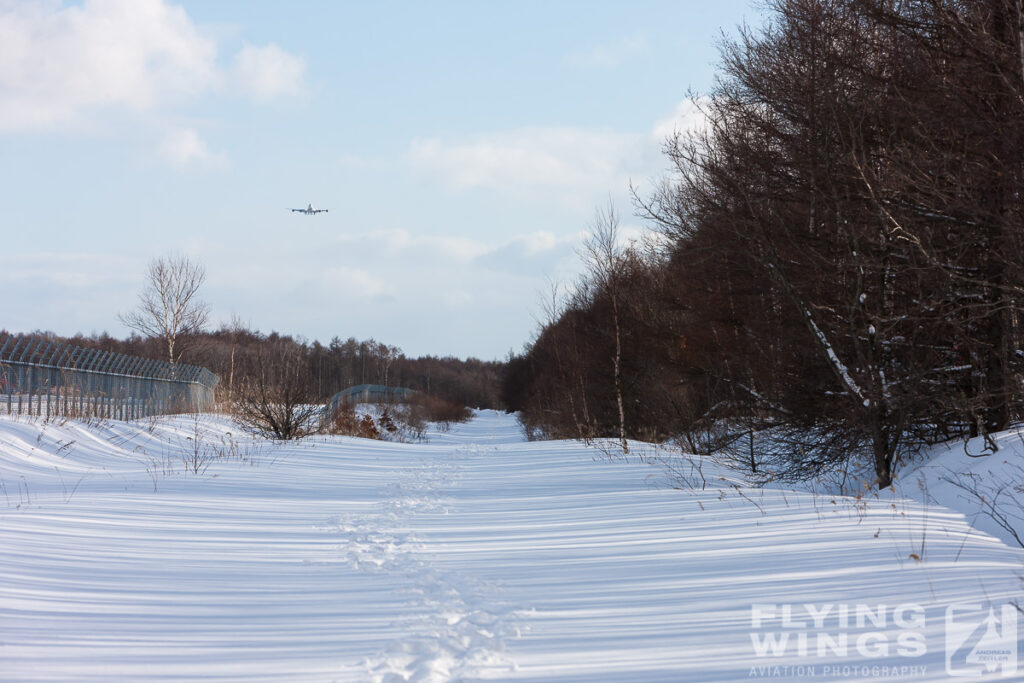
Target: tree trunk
x,y
618,374
881,446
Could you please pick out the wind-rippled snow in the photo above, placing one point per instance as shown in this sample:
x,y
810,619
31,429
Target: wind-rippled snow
x,y
474,556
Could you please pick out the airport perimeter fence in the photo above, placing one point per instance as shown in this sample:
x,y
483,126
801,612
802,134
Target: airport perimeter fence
x,y
47,378
365,393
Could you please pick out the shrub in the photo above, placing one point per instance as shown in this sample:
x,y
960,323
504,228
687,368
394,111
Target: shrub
x,y
425,408
273,400
348,423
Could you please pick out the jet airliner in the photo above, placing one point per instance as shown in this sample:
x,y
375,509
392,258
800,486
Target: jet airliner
x,y
309,210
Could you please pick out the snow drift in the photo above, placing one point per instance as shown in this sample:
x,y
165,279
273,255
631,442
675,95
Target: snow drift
x,y
179,548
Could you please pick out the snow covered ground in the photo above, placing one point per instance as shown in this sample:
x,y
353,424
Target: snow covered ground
x,y
180,549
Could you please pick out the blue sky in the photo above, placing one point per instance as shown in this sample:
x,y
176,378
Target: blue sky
x,y
461,147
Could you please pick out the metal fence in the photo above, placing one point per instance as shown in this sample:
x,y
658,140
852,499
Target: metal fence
x,y
366,393
43,377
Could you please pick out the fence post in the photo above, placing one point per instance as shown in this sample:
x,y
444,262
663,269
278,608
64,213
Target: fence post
x,y
87,395
29,383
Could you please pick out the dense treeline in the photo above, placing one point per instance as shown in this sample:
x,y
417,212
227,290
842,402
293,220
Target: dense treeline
x,y
236,354
842,266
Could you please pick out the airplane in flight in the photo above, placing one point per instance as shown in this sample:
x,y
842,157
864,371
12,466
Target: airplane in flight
x,y
309,210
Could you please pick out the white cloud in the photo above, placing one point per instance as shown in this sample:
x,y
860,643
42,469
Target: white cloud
x,y
536,242
687,118
352,283
532,157
81,66
610,54
533,253
57,64
413,255
394,242
578,166
268,72
185,148
67,292
74,270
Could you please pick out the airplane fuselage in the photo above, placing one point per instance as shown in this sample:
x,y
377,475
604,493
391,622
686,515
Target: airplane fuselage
x,y
309,210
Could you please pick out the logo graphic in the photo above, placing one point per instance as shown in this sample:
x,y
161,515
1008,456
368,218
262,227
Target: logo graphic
x,y
980,640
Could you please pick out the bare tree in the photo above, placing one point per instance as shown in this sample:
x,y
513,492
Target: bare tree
x,y
235,327
604,259
384,357
168,305
771,186
555,306
843,269
275,398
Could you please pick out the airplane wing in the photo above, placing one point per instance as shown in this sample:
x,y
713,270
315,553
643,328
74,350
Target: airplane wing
x,y
299,210
320,211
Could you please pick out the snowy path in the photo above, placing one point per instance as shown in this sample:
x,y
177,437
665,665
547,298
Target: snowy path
x,y
456,626
476,556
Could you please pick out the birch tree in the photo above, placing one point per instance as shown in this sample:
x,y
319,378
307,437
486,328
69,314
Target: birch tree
x,y
604,259
169,308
